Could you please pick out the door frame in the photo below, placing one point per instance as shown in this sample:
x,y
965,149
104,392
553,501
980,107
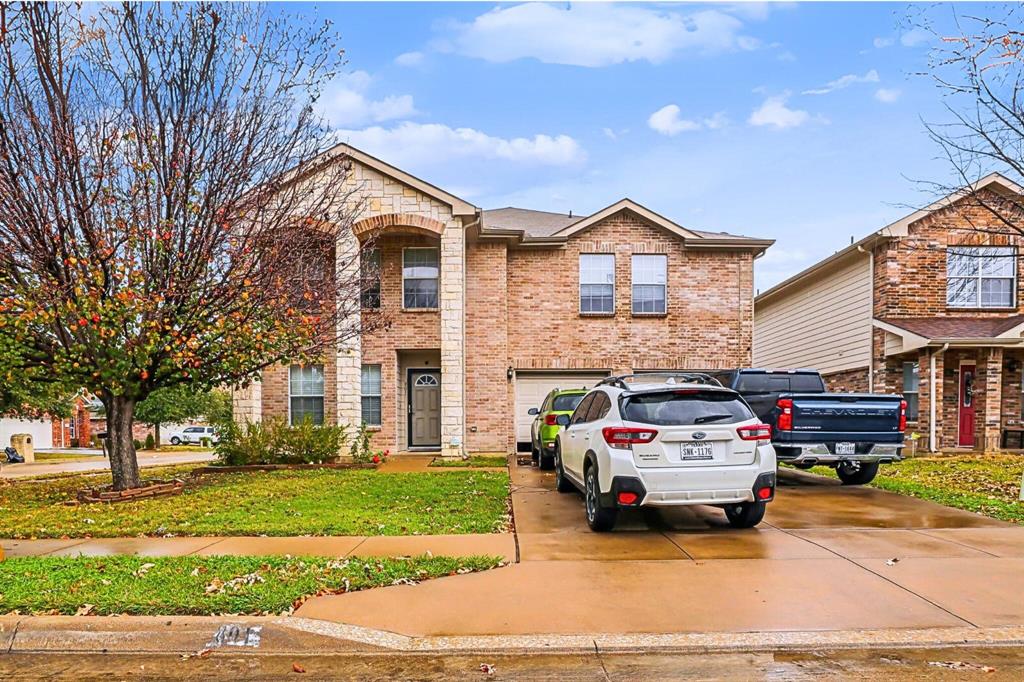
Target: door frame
x,y
960,400
408,407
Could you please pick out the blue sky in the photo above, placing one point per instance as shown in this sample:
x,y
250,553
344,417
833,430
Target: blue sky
x,y
802,122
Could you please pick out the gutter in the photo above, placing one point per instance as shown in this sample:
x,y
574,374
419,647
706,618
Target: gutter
x,y
931,403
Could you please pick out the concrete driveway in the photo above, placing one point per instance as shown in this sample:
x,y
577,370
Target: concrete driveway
x,y
827,558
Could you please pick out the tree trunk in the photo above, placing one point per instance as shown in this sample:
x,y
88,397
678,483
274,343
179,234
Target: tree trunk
x,y
156,436
120,444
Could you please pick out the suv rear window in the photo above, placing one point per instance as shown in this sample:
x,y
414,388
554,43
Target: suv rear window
x,y
566,403
674,408
764,382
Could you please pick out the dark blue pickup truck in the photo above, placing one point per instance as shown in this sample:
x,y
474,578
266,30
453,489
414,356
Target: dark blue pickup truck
x,y
851,432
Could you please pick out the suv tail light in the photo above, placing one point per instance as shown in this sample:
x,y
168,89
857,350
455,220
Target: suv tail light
x,y
623,437
903,415
785,419
551,419
755,432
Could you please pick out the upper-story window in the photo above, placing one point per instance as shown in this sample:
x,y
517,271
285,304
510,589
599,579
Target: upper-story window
x,y
369,266
649,281
597,283
981,276
420,270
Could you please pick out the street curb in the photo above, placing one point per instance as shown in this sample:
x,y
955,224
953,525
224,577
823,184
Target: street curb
x,y
189,634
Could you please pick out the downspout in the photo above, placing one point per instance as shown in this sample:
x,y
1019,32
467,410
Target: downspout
x,y
931,401
871,353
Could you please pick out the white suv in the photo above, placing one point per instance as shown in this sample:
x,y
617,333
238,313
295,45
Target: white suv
x,y
194,435
664,440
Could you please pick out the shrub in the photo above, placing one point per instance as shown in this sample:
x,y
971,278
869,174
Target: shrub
x,y
137,443
74,442
274,442
150,443
361,451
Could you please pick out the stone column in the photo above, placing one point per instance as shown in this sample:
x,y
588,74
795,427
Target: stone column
x,y
247,403
993,418
453,365
349,353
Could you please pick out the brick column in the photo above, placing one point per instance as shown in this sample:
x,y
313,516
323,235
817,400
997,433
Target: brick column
x,y
993,359
349,353
453,289
247,403
925,356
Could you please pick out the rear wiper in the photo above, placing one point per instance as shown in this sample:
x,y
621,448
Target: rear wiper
x,y
710,418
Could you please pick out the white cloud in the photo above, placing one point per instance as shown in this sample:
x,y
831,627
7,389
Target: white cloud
x,y
887,95
844,82
880,43
786,56
430,143
610,134
346,104
595,34
915,36
774,112
409,59
668,121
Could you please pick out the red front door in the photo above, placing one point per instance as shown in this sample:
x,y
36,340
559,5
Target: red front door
x,y
966,406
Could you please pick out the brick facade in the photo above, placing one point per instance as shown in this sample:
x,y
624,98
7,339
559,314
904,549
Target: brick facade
x,y
506,305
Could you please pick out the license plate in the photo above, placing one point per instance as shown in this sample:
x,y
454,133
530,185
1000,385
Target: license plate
x,y
846,449
695,451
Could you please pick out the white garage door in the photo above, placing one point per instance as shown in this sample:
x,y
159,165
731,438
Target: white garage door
x,y
40,429
532,387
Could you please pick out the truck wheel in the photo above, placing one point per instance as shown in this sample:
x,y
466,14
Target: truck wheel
x,y
562,484
857,473
803,465
745,514
600,519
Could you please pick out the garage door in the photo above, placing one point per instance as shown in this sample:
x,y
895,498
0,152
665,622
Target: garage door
x,y
40,429
532,387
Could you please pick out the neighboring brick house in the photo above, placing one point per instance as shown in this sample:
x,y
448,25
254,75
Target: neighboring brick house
x,y
929,306
491,309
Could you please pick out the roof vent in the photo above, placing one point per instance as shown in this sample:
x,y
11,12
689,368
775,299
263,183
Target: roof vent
x,y
570,212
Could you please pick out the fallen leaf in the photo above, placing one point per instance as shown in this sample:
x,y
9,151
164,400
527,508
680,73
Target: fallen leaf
x,y
962,665
487,668
893,561
296,668
84,610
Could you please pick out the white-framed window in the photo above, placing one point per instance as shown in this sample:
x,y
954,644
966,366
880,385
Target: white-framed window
x,y
369,267
981,276
650,276
306,393
597,283
420,272
370,394
911,388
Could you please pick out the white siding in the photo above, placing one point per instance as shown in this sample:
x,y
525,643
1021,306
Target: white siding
x,y
41,431
823,323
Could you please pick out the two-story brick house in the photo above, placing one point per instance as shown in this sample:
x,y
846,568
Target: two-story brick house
x,y
929,306
488,310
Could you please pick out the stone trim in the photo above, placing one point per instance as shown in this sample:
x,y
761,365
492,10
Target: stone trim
x,y
397,223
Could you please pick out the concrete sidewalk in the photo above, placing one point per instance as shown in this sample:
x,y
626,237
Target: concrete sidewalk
x,y
96,464
829,558
497,544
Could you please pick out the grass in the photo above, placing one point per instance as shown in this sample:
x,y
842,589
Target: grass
x,y
277,503
190,585
65,456
984,484
473,461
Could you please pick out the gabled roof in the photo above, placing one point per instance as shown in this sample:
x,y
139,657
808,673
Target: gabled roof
x,y
542,228
899,228
459,207
946,328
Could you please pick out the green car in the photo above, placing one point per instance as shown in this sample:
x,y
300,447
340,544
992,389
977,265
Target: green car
x,y
545,426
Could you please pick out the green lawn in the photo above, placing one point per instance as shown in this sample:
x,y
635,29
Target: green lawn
x,y
310,502
473,461
64,456
191,585
985,484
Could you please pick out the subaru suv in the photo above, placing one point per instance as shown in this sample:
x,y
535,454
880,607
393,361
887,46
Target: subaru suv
x,y
545,423
664,440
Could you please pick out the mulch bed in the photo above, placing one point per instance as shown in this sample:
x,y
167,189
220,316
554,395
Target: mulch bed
x,y
147,490
214,469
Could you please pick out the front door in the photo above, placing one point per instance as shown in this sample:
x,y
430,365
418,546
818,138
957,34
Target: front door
x,y
424,408
966,438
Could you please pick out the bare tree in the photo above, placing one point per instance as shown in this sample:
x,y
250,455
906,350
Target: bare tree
x,y
168,215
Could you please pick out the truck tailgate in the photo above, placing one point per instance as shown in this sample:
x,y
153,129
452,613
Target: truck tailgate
x,y
845,413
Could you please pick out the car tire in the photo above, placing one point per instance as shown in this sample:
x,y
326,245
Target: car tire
x,y
803,465
175,440
547,462
600,519
857,473
745,514
562,484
